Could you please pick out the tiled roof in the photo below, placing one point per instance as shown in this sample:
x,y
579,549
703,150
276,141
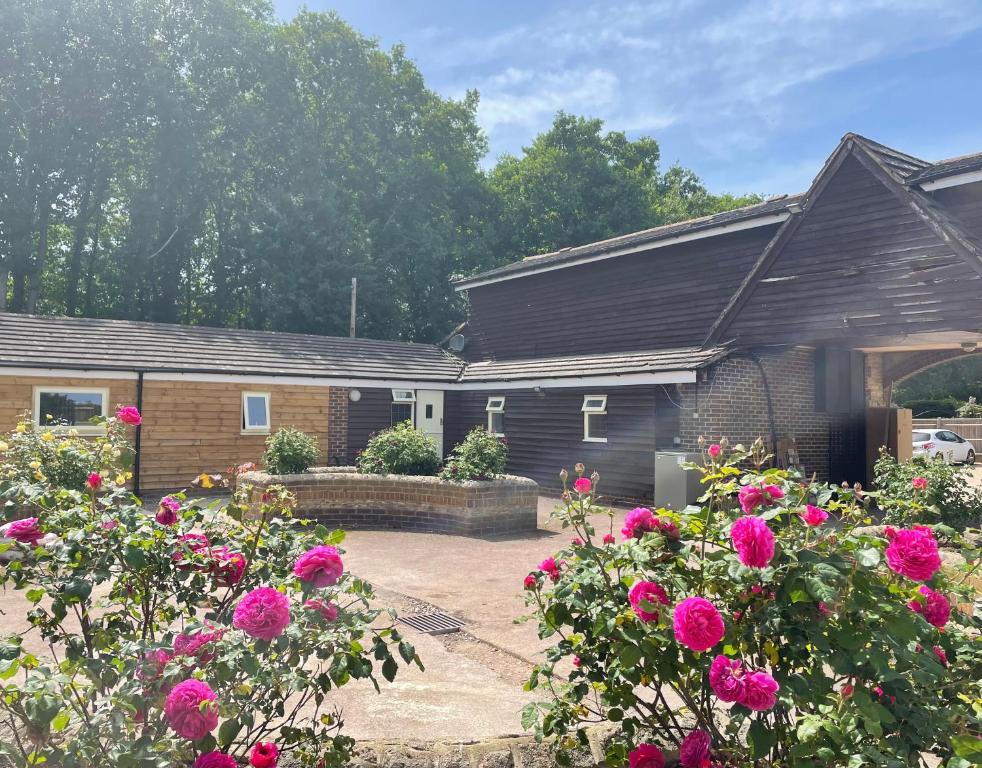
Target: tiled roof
x,y
62,342
950,167
656,361
770,207
902,165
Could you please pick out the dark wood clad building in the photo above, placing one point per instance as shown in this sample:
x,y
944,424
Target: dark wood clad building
x,y
789,320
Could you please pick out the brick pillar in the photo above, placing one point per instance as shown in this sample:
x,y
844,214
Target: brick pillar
x,y
877,390
337,425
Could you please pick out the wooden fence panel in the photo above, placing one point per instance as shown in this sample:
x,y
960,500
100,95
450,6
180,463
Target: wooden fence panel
x,y
970,429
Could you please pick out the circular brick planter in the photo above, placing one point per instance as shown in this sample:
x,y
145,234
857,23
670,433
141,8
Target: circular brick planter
x,y
341,497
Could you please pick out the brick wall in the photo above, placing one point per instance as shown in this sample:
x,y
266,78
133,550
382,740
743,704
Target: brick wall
x,y
733,402
340,497
337,421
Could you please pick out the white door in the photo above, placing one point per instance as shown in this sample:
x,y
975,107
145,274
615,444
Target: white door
x,y
429,415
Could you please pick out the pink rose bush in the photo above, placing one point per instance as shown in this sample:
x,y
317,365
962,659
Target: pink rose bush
x,y
776,627
187,633
129,414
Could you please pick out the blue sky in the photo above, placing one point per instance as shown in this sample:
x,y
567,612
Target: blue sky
x,y
753,96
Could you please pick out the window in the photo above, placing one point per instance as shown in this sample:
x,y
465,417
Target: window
x,y
595,418
496,416
403,401
255,412
70,407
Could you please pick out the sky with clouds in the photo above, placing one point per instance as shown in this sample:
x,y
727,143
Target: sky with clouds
x,y
753,96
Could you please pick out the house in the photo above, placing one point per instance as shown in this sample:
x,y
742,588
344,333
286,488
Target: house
x,y
789,319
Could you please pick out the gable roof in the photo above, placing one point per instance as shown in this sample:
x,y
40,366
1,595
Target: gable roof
x,y
126,345
769,212
944,168
892,169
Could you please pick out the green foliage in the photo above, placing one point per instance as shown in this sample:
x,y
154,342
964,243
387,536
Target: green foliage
x,y
400,450
949,498
826,618
290,452
59,455
970,410
960,379
240,170
481,456
112,588
940,408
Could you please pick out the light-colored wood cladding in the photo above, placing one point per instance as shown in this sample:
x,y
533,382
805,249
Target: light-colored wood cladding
x,y
188,427
195,427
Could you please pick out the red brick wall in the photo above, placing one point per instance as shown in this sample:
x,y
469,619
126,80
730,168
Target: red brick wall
x,y
337,420
733,402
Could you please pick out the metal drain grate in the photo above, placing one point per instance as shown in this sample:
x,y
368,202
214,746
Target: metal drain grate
x,y
432,623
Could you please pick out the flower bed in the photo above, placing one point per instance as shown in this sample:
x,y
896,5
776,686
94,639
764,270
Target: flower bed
x,y
341,496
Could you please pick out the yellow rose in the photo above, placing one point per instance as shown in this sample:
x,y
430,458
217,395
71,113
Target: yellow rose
x,y
120,479
3,447
39,476
35,464
22,427
47,437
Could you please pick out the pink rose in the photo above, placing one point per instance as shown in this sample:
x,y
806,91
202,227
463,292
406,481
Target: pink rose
x,y
935,607
215,759
638,522
226,566
814,515
646,756
264,755
752,496
25,531
919,483
165,515
582,485
609,538
327,610
197,543
320,566
913,552
128,414
759,691
726,679
939,652
753,541
153,665
110,525
714,451
550,567
531,582
694,751
198,644
94,481
644,598
698,625
191,709
262,613
847,690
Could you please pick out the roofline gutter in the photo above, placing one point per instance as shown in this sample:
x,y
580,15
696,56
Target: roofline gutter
x,y
955,180
757,221
678,376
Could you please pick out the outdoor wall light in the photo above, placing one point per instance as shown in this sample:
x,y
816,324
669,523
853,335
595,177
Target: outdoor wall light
x,y
354,395
794,207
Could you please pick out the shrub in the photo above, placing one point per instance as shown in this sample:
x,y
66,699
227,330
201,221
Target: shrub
x,y
178,631
481,456
949,497
939,408
760,629
290,452
970,410
400,450
54,455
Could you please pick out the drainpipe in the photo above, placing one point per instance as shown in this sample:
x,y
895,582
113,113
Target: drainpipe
x,y
136,439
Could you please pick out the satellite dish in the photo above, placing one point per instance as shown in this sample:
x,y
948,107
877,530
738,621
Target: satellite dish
x,y
457,342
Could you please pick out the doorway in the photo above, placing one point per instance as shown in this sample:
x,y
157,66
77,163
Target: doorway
x,y
429,415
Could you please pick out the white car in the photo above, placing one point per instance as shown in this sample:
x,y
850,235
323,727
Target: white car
x,y
943,443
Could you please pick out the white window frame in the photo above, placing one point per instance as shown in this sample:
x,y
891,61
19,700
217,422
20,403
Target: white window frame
x,y
496,404
593,410
404,397
248,429
82,429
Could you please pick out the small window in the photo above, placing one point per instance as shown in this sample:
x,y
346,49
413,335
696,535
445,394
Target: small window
x,y
496,416
255,412
70,407
403,401
595,418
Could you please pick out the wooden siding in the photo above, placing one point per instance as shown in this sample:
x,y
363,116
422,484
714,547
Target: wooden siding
x,y
372,413
661,298
194,427
545,434
17,394
964,204
862,264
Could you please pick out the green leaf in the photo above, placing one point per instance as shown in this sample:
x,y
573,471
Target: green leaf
x,y
389,669
630,655
61,721
229,730
968,748
407,651
761,739
869,557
